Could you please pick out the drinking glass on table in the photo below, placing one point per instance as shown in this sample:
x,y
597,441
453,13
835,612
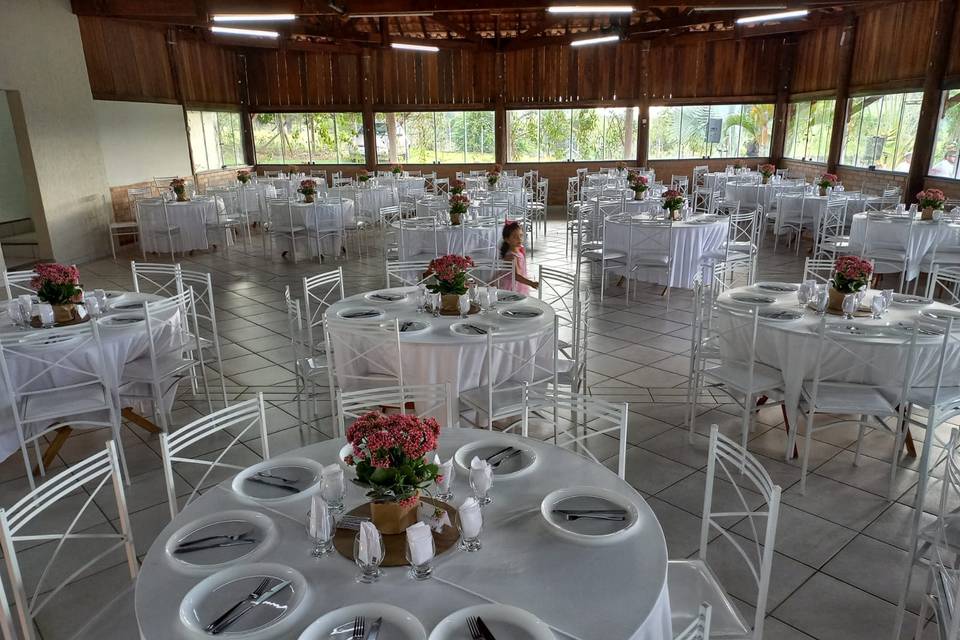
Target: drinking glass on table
x,y
420,296
887,297
333,489
463,304
877,306
101,297
17,318
493,297
92,305
850,305
370,566
803,294
45,311
483,301
435,304
822,298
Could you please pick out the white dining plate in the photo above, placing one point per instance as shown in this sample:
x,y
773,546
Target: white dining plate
x,y
386,296
751,298
412,327
472,329
215,594
226,533
267,481
588,530
510,296
780,315
521,312
939,313
777,287
516,465
360,313
128,302
503,621
911,301
118,320
398,624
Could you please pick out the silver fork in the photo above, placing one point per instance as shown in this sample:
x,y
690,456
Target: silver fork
x,y
473,629
253,595
358,628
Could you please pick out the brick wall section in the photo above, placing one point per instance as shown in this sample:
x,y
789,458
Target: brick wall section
x,y
121,204
853,179
556,172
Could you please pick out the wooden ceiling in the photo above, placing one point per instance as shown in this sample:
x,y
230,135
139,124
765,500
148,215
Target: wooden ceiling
x,y
473,24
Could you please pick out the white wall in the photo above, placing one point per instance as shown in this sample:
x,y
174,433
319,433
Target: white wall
x,y
140,140
13,195
41,57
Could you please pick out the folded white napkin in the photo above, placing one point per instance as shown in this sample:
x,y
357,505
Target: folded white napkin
x,y
471,519
446,471
420,543
332,476
369,549
319,519
481,475
427,513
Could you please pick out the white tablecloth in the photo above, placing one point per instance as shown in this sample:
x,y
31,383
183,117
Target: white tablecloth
x,y
439,355
373,198
690,242
191,217
477,241
610,592
791,347
321,216
927,234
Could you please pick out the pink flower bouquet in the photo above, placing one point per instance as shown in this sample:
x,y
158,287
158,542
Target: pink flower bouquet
x,y
362,175
56,283
179,188
459,203
493,177
308,187
767,170
389,453
243,176
827,180
851,274
637,182
672,200
450,273
396,169
931,199
457,187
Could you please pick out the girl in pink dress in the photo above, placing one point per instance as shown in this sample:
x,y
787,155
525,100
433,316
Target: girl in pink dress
x,y
512,249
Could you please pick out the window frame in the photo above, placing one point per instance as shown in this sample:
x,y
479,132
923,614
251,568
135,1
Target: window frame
x,y
310,138
795,104
436,139
897,136
944,97
570,146
710,145
238,155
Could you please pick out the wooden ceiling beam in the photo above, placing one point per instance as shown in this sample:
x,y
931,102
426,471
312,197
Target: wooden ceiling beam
x,y
459,29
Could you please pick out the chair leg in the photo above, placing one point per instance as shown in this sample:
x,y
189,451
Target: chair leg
x,y
113,250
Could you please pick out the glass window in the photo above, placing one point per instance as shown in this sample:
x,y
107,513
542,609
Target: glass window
x,y
561,135
710,131
944,161
308,138
427,137
215,139
880,131
809,125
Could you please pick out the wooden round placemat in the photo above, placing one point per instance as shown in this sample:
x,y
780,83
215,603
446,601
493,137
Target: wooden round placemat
x,y
36,324
395,546
474,309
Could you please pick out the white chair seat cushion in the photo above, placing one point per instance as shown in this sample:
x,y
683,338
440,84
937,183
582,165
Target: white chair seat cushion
x,y
848,398
600,254
139,370
923,396
691,582
737,375
650,261
57,402
507,401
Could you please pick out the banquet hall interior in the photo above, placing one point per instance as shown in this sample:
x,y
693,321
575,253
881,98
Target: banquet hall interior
x,y
479,320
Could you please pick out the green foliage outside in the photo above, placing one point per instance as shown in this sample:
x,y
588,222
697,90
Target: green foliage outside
x,y
558,135
809,125
681,132
880,130
302,138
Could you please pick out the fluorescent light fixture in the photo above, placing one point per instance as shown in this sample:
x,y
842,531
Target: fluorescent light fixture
x,y
600,40
256,33
588,8
254,17
414,47
769,17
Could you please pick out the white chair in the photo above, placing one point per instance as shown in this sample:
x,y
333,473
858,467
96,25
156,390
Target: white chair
x,y
153,223
789,215
507,370
492,273
407,273
441,186
606,420
843,355
364,356
308,368
319,292
650,249
561,290
831,237
699,629
819,269
889,256
57,381
128,228
424,401
241,421
37,517
224,221
158,279
692,582
17,283
173,338
537,207
418,238
594,251
282,221
944,283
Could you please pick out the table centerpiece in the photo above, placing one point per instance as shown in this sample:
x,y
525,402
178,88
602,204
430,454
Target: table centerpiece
x,y
458,207
673,202
493,176
930,200
827,181
308,188
389,454
639,184
363,176
243,176
450,279
850,275
457,186
396,170
767,171
59,286
179,188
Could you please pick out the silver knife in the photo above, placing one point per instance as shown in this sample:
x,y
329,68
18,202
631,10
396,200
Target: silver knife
x,y
269,594
375,629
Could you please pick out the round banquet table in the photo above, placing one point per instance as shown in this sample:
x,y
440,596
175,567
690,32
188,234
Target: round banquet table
x,y
321,216
122,343
690,242
475,240
522,563
405,186
814,206
791,347
372,198
191,217
894,231
439,355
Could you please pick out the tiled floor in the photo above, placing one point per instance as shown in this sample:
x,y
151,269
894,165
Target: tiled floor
x,y
840,548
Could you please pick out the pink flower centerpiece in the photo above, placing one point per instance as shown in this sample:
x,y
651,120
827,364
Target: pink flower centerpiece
x,y
827,181
493,176
458,207
930,200
389,454
179,188
362,175
243,176
309,189
450,279
851,274
396,170
673,202
638,183
59,286
457,186
767,171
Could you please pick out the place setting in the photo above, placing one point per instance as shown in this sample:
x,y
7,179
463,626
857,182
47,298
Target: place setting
x,y
216,540
366,621
492,622
589,515
506,458
278,481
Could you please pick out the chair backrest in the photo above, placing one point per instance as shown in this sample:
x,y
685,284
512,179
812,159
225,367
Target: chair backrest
x,y
492,273
319,292
819,269
699,627
243,419
441,186
390,214
364,355
650,242
423,401
17,283
156,278
745,226
736,465
831,226
406,273
944,283
31,520
560,289
944,574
